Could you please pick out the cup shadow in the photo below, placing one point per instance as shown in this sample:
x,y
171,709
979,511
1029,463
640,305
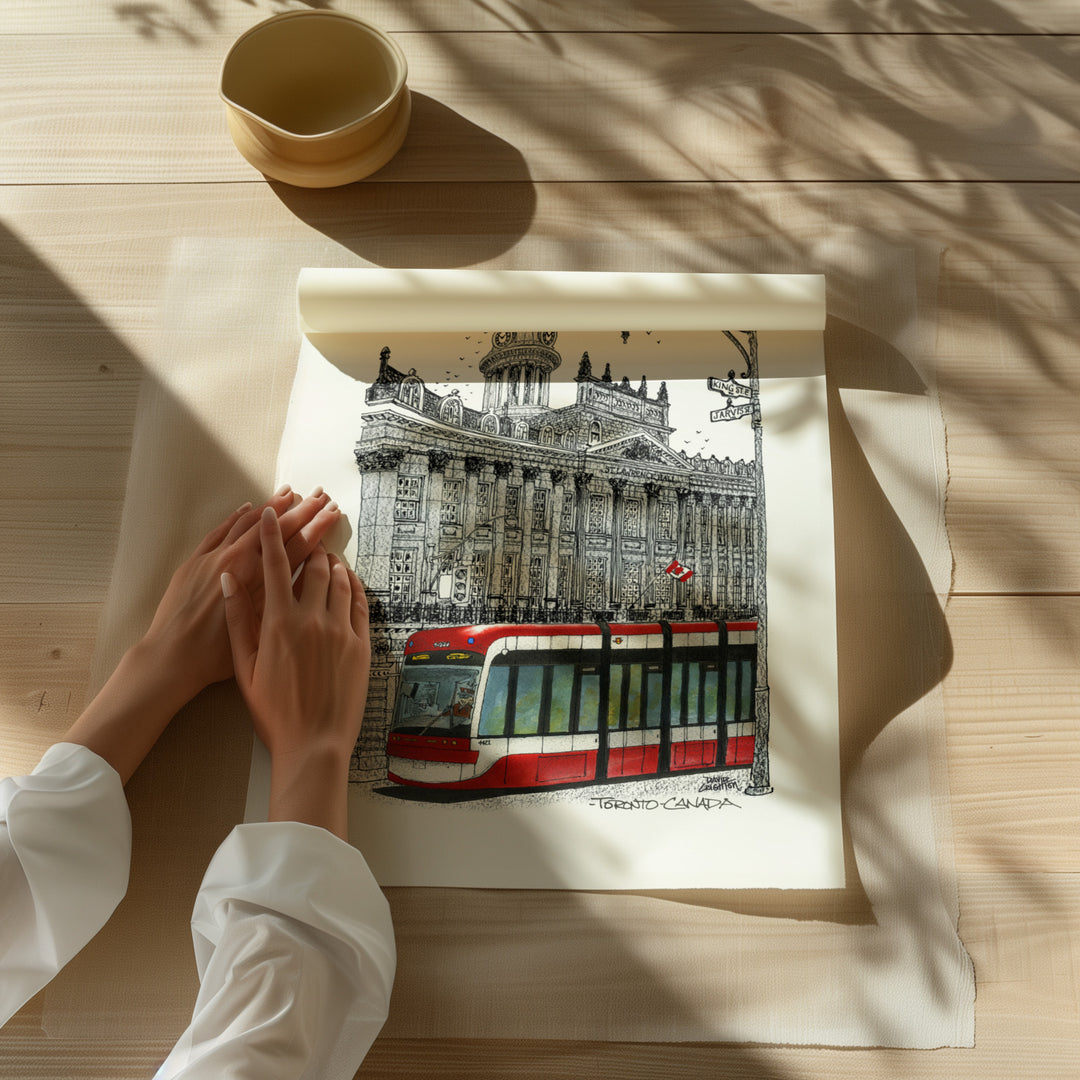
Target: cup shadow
x,y
464,222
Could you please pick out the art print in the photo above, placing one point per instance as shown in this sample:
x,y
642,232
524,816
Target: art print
x,y
599,566
568,578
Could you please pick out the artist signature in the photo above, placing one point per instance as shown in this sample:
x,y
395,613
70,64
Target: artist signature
x,y
675,802
718,783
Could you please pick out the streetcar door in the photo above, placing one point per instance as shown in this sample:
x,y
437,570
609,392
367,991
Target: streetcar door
x,y
634,717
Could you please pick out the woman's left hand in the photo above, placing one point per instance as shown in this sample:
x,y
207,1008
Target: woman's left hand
x,y
188,629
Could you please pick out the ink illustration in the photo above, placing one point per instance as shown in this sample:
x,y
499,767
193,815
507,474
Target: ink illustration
x,y
565,562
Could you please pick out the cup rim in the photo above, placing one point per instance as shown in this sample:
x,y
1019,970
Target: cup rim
x,y
380,35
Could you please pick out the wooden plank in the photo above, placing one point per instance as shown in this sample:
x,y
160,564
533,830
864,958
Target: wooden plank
x,y
193,21
46,650
1012,695
547,107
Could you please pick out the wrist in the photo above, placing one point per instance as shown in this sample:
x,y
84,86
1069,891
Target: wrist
x,y
131,710
166,670
309,784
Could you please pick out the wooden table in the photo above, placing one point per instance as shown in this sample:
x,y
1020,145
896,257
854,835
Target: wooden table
x,y
658,135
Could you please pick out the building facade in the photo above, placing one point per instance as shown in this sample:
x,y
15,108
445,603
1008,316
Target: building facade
x,y
518,512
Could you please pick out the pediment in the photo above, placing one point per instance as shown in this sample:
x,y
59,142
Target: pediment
x,y
643,447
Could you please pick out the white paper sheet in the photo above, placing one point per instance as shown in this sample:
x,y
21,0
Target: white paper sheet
x,y
697,826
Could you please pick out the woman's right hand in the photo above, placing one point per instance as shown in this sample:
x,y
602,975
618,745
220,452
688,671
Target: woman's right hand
x,y
302,667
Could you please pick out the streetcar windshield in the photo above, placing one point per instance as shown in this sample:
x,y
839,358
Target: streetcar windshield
x,y
436,699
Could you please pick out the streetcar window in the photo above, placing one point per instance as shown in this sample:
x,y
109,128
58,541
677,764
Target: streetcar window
x,y
436,699
633,697
493,711
589,706
615,696
562,689
677,718
747,691
693,693
740,690
530,684
710,693
654,686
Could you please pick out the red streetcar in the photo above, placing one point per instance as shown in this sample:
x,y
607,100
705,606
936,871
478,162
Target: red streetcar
x,y
519,707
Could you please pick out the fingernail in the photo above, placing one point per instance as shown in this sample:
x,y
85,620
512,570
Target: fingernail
x,y
268,515
317,492
332,507
228,585
281,491
244,509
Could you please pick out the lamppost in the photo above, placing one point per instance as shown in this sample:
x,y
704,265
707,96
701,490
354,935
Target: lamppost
x,y
759,770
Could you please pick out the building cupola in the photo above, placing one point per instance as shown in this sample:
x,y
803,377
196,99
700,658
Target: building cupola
x,y
517,371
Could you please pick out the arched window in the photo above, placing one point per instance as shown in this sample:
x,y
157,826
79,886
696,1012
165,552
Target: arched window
x,y
411,392
450,410
489,424
547,435
521,431
595,433
568,439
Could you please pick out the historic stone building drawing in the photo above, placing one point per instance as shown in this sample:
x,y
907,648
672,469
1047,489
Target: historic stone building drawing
x,y
520,512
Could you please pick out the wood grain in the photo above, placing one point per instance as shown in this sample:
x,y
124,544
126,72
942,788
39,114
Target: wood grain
x,y
1012,696
1006,297
191,21
663,135
46,650
1021,930
613,107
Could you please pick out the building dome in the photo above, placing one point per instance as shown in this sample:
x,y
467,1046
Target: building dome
x,y
517,371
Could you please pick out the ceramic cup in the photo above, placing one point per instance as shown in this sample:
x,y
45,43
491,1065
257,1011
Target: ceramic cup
x,y
316,98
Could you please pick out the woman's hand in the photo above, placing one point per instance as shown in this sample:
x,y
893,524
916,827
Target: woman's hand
x,y
302,666
187,645
188,630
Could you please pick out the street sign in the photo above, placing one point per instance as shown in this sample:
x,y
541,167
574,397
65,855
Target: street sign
x,y
732,412
730,388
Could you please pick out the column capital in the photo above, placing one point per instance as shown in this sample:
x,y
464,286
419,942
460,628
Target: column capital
x,y
438,460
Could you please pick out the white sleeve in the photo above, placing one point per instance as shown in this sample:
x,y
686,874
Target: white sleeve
x,y
295,953
65,849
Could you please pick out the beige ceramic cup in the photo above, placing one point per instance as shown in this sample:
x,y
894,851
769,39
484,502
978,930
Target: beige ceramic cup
x,y
316,98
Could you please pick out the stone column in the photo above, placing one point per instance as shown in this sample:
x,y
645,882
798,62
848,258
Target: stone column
x,y
615,592
700,563
474,467
730,541
503,469
581,507
529,473
558,495
714,503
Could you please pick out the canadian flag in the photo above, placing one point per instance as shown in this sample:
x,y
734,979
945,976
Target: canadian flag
x,y
677,570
